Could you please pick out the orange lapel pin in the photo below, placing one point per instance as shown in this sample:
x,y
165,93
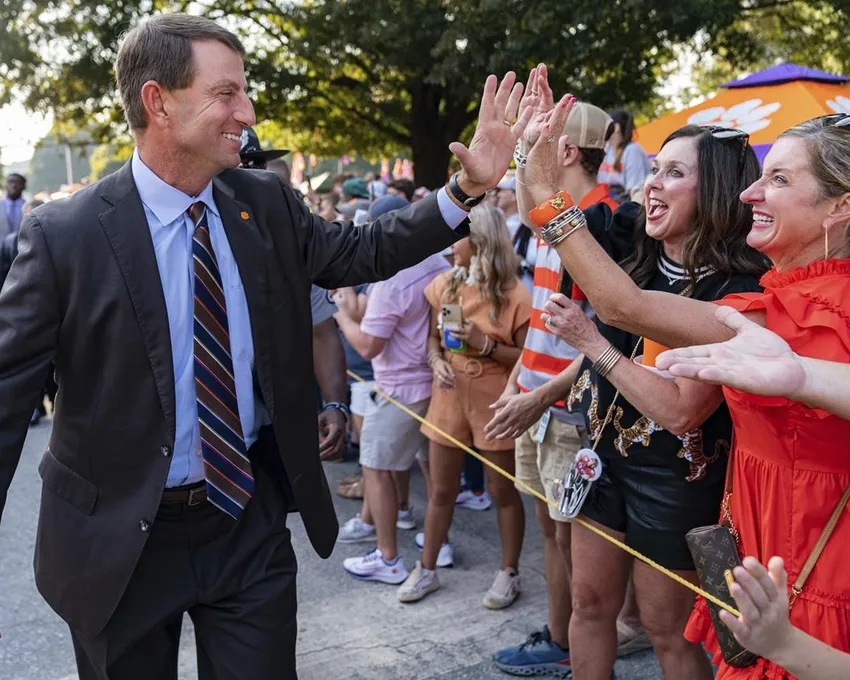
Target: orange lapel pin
x,y
244,215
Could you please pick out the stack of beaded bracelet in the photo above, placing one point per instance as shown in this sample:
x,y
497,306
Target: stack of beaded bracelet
x,y
563,225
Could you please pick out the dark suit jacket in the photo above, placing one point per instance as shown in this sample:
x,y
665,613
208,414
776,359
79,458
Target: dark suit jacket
x,y
84,291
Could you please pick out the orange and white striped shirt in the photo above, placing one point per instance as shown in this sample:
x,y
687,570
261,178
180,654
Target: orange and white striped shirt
x,y
545,355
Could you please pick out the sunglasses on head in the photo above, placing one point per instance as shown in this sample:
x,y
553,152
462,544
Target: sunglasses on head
x,y
724,133
836,119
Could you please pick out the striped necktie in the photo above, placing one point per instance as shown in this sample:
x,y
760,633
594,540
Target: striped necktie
x,y
230,481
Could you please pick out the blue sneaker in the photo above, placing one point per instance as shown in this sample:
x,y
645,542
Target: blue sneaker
x,y
538,655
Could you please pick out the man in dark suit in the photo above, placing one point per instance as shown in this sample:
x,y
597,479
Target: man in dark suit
x,y
173,297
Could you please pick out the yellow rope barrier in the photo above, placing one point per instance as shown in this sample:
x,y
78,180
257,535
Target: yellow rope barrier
x,y
596,530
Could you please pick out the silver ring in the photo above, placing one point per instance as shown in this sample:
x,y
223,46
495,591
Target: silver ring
x,y
550,139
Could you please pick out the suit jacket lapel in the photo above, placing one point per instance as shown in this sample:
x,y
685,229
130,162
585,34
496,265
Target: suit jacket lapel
x,y
250,252
126,227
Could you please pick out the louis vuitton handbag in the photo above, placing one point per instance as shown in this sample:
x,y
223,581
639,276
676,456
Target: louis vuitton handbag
x,y
715,552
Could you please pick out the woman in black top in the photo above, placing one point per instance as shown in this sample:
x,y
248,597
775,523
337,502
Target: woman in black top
x,y
665,446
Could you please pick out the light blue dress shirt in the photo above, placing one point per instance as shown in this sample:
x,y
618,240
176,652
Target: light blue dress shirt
x,y
171,230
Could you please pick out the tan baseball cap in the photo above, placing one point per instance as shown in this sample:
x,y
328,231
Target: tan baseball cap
x,y
588,126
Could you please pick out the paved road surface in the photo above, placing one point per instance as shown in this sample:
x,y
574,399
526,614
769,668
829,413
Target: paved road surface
x,y
347,629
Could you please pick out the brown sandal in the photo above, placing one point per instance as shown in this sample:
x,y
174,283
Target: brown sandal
x,y
353,491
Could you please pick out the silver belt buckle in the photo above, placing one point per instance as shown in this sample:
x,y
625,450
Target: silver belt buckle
x,y
197,496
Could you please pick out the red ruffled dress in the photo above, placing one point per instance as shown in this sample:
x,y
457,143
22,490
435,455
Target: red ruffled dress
x,y
792,463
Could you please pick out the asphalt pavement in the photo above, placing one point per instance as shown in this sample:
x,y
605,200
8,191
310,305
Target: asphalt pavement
x,y
347,629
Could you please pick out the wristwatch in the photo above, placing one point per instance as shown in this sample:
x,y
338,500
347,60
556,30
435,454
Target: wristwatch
x,y
339,406
461,195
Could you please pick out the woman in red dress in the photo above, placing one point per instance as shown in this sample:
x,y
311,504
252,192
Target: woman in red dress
x,y
791,462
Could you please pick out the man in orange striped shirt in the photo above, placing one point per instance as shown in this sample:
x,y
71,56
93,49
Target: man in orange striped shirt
x,y
532,409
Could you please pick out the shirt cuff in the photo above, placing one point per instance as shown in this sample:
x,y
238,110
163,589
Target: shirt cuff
x,y
452,213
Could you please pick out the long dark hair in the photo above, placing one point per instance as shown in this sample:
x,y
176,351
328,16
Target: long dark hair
x,y
718,236
627,129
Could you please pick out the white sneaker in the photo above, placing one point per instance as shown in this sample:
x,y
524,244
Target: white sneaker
x,y
474,501
373,567
446,556
356,530
463,496
504,591
405,520
418,585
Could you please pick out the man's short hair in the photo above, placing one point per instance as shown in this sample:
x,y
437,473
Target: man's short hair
x,y
160,49
16,175
405,186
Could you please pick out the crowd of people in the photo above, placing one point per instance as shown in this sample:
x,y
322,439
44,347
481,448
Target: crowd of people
x,y
524,381
542,339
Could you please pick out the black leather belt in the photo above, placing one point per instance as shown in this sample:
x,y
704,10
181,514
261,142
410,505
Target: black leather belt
x,y
191,494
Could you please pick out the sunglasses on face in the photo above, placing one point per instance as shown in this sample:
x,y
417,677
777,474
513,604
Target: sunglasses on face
x,y
739,136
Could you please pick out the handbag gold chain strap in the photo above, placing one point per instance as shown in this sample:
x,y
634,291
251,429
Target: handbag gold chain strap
x,y
820,544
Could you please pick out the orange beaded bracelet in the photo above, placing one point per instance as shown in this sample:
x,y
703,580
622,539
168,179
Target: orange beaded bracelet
x,y
544,213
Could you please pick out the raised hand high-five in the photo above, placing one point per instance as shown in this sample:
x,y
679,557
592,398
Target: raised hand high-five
x,y
499,127
755,360
538,97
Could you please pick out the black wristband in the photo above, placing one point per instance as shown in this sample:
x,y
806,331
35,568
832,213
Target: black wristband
x,y
461,195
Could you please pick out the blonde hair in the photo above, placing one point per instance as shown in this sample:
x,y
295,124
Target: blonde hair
x,y
828,150
495,270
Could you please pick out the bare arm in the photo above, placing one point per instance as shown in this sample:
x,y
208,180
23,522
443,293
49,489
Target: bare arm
x,y
678,405
672,320
515,412
826,386
759,361
669,319
329,369
504,354
367,346
329,361
764,627
443,372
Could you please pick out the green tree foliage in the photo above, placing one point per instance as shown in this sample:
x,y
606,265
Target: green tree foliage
x,y
812,34
382,76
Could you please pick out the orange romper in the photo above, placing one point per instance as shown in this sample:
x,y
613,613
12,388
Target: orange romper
x,y
792,463
464,410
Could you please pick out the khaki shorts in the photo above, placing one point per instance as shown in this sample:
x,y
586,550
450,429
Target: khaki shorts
x,y
538,465
390,439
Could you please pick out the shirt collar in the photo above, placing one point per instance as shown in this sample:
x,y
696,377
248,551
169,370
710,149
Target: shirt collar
x,y
165,201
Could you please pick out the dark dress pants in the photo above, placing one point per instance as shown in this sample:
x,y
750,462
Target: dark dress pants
x,y
235,579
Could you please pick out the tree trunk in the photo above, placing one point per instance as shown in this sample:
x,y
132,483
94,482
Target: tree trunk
x,y
431,132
